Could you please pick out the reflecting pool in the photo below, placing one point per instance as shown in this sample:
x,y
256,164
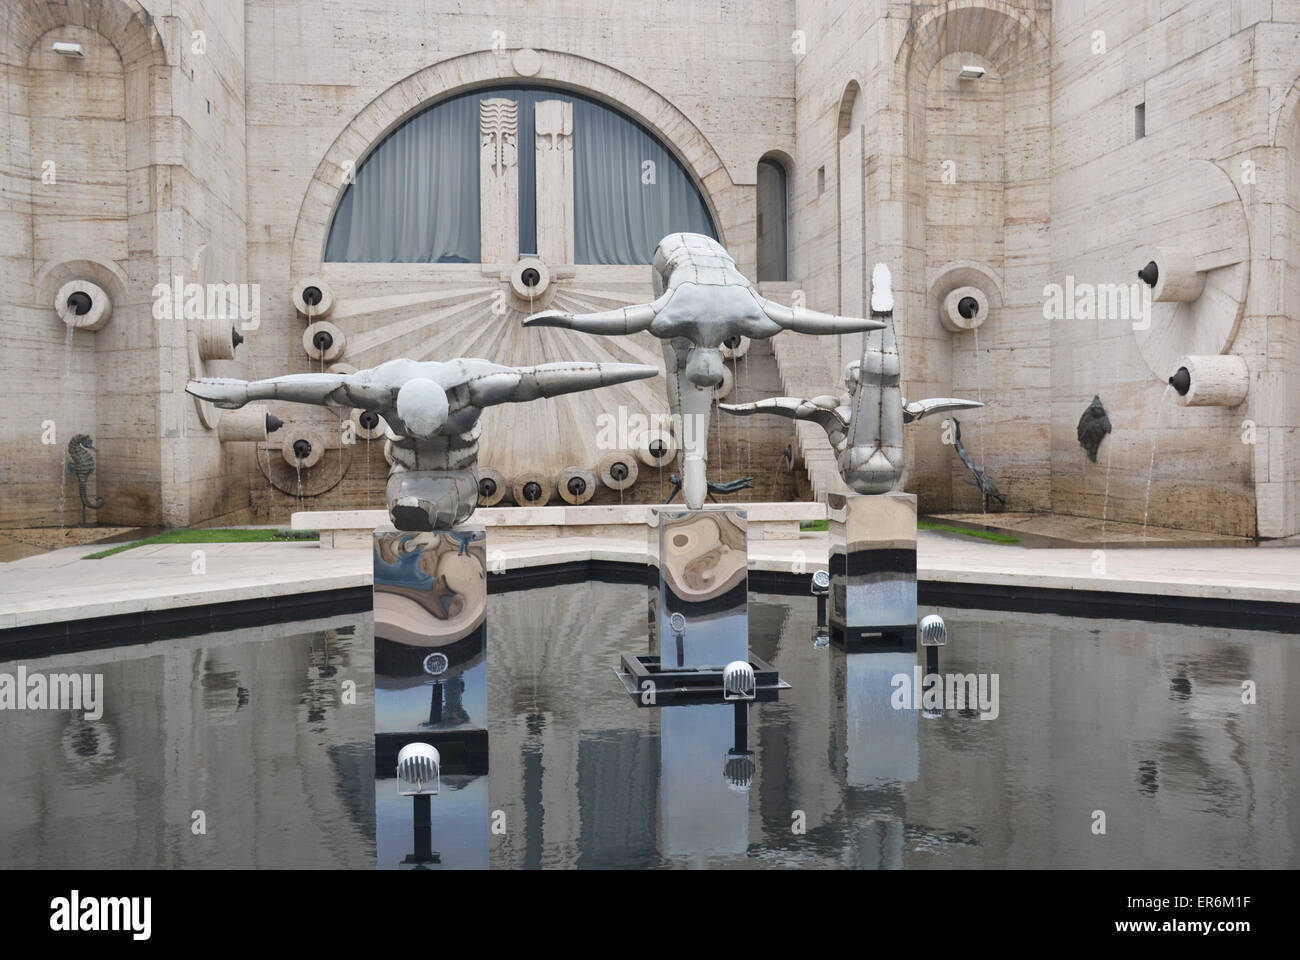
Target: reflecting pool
x,y
1142,722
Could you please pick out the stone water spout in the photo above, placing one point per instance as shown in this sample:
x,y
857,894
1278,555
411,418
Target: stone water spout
x,y
701,303
865,424
433,410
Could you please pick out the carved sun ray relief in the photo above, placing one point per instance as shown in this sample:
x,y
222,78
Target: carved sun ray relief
x,y
479,313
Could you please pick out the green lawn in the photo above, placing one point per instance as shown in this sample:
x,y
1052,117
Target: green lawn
x,y
210,536
990,535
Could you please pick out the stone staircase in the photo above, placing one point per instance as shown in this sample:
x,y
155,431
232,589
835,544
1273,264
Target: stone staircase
x,y
807,370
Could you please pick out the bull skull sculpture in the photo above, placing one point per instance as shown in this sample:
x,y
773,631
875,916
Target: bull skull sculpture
x,y
702,302
865,426
432,410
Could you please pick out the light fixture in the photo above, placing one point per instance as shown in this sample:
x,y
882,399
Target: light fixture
x,y
738,681
418,767
65,49
969,72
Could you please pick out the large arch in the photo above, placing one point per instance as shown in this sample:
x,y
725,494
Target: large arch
x,y
1011,41
484,68
124,46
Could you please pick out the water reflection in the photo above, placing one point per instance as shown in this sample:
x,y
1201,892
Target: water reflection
x,y
1145,721
248,727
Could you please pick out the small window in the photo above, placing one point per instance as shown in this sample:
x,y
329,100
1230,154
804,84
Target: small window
x,y
1139,121
821,180
771,217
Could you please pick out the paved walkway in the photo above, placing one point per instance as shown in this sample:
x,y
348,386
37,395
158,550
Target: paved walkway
x,y
60,586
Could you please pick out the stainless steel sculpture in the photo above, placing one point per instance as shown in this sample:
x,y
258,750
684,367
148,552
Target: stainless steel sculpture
x,y
432,411
701,303
865,425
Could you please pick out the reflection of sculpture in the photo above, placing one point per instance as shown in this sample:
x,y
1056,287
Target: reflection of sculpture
x,y
81,464
702,302
429,587
865,426
988,489
432,410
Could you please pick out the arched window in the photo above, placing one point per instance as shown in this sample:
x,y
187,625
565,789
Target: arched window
x,y
772,220
416,196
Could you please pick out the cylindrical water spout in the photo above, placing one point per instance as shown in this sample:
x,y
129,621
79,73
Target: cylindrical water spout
x,y
531,490
1171,274
576,485
618,470
964,308
83,305
302,447
323,341
313,298
1221,380
492,487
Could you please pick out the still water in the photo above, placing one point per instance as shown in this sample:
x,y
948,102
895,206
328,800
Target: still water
x,y
230,750
1142,723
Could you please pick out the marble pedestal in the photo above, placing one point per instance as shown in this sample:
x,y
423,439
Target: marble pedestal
x,y
430,601
872,564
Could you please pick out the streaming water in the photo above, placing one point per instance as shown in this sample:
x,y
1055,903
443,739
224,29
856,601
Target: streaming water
x,y
1106,496
58,449
1151,466
979,395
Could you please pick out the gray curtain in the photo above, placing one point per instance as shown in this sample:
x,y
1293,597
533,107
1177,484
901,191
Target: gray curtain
x,y
619,218
415,199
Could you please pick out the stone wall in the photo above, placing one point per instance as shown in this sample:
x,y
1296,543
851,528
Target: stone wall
x,y
219,158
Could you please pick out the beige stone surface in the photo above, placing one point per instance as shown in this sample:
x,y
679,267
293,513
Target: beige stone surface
x,y
209,140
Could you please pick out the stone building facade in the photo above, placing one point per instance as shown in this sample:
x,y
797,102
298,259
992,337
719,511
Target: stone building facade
x,y
1031,155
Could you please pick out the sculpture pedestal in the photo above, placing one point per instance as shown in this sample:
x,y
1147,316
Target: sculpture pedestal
x,y
872,564
430,601
699,582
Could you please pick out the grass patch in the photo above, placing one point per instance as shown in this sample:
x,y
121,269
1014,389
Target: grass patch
x,y
991,535
209,536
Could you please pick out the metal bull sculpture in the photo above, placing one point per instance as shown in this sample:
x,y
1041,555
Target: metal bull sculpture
x,y
701,303
865,426
432,409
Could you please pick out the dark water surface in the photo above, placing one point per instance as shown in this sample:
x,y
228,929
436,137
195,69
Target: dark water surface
x,y
246,727
1142,722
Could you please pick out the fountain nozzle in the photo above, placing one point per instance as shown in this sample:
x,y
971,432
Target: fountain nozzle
x,y
1149,274
1181,381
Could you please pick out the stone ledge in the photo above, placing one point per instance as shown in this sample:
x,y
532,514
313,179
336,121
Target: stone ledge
x,y
346,529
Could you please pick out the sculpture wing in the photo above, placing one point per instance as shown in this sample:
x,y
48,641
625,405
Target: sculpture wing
x,y
923,408
321,389
608,322
821,410
519,384
801,320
